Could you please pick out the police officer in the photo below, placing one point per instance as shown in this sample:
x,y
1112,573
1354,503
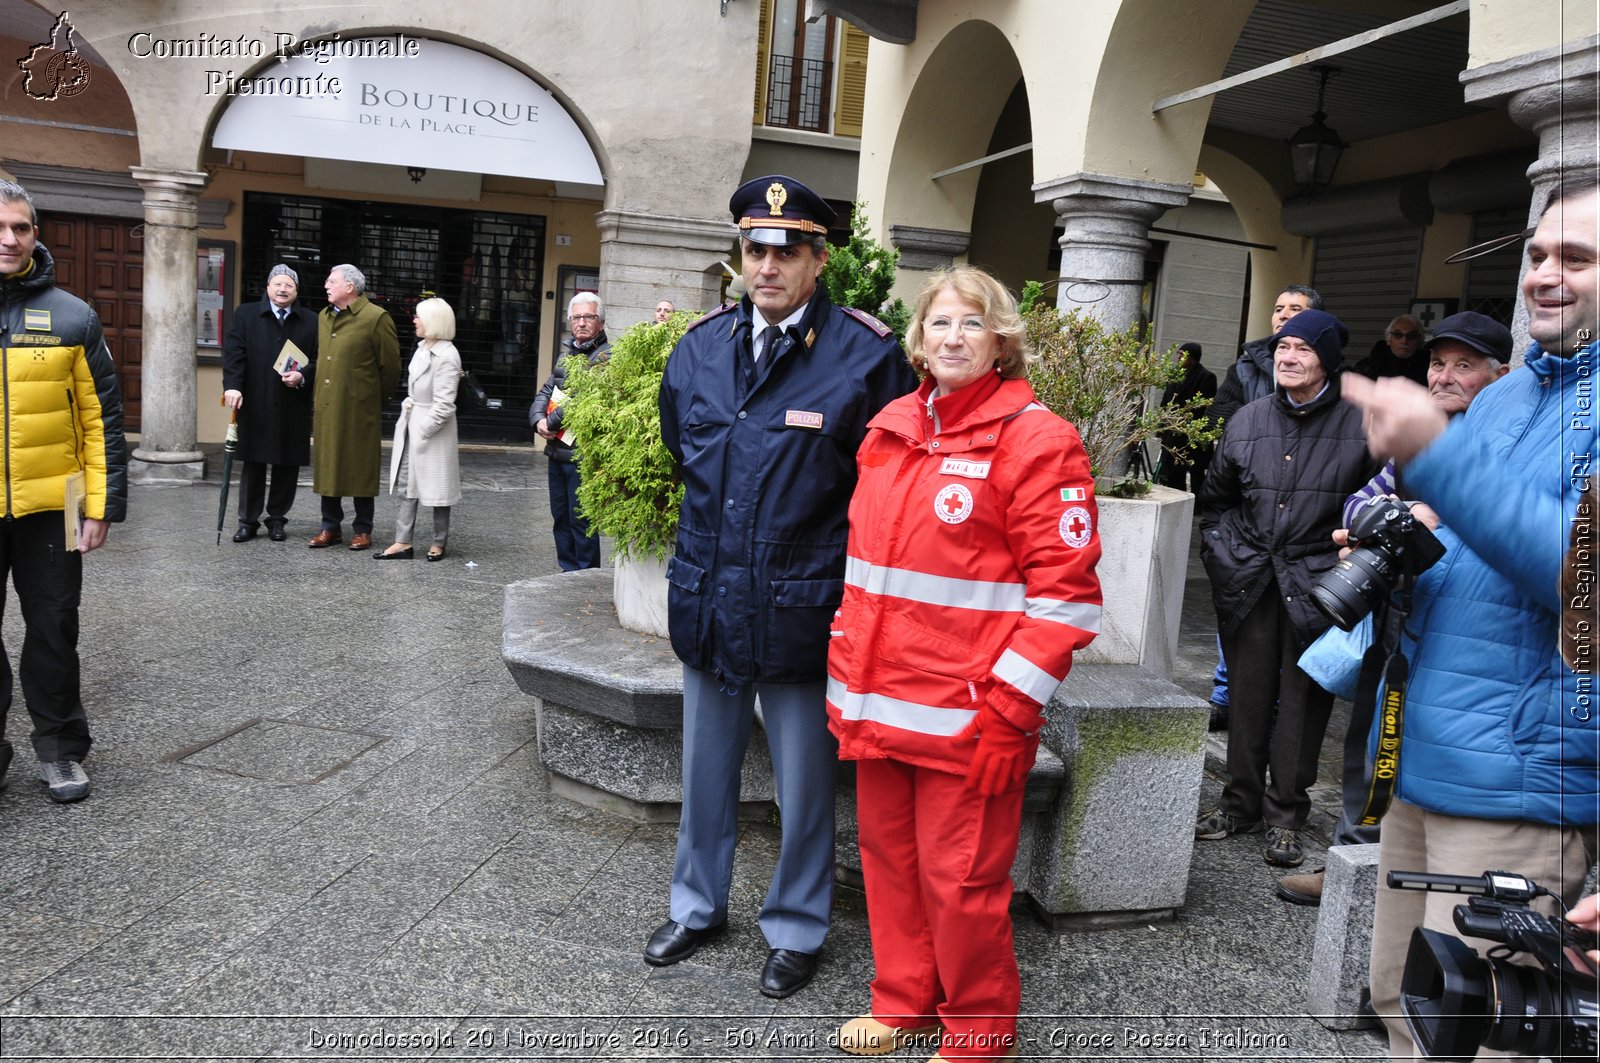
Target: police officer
x,y
763,405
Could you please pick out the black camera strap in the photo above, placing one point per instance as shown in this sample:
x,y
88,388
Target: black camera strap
x,y
1384,658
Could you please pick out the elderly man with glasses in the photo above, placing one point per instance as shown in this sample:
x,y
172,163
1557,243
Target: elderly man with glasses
x,y
577,547
1398,353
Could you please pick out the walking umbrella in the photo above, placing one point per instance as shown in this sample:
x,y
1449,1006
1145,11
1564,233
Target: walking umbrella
x,y
230,446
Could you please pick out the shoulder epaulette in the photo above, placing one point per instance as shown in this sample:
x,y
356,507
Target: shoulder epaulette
x,y
708,316
883,331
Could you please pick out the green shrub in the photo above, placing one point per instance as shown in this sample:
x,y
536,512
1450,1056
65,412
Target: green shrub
x,y
627,490
861,273
1102,380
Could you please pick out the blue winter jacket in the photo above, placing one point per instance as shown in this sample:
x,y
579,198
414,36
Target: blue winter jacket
x,y
1496,726
768,471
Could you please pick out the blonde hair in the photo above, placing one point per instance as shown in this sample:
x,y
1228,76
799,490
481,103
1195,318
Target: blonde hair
x,y
438,320
996,306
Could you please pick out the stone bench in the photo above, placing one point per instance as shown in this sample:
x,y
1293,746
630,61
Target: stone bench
x,y
1108,828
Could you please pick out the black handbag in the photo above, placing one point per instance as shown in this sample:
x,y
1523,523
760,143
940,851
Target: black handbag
x,y
470,394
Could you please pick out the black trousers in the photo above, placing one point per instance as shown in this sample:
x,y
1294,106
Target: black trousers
x,y
48,580
333,514
1279,717
253,490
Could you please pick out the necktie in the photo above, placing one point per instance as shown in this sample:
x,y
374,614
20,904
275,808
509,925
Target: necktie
x,y
769,341
283,314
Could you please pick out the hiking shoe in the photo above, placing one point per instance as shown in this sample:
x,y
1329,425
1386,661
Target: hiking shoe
x,y
66,780
1283,848
1304,888
1219,718
1217,824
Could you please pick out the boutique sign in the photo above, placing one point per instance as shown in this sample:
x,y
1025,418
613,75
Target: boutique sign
x,y
441,106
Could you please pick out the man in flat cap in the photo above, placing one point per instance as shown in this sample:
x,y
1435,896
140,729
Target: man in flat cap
x,y
274,408
763,405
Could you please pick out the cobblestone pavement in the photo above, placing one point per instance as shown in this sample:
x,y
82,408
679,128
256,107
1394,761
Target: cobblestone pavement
x,y
319,829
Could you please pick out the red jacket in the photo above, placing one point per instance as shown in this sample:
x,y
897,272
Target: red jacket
x,y
971,572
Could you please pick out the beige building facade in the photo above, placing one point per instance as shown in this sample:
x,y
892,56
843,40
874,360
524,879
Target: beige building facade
x,y
508,157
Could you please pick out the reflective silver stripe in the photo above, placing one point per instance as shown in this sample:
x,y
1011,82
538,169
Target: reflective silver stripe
x,y
935,590
906,715
1026,676
1079,614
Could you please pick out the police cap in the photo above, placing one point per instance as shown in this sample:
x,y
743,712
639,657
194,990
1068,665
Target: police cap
x,y
779,210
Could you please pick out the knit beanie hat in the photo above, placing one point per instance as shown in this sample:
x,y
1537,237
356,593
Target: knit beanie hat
x,y
280,270
1325,334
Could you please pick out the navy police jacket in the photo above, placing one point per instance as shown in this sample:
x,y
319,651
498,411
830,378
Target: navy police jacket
x,y
768,471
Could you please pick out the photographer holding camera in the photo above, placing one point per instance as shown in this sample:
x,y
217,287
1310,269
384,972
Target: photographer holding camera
x,y
1499,751
1467,353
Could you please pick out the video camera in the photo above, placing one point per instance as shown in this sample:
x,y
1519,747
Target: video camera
x,y
1455,1000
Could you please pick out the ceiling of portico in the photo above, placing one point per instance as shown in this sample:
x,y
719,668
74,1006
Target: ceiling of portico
x,y
1402,82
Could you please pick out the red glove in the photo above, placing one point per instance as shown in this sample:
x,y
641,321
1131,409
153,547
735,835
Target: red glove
x,y
1003,757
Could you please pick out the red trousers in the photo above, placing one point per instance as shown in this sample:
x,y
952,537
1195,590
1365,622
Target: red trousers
x,y
937,862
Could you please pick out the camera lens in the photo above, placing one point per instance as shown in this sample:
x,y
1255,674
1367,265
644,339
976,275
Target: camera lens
x,y
1355,585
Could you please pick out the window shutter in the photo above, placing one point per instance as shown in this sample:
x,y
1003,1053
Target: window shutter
x,y
852,95
763,32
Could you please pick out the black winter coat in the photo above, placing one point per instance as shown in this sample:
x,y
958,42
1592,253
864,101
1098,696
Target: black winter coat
x,y
275,420
758,570
1272,499
1249,378
554,449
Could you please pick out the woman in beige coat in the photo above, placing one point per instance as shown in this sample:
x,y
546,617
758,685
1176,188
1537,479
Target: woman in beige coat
x,y
426,465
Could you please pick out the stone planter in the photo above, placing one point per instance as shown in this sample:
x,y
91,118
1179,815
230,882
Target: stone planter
x,y
639,589
1144,559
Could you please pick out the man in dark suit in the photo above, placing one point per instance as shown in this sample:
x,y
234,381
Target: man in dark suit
x,y
275,422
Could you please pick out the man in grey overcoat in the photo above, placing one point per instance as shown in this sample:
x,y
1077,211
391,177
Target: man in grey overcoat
x,y
358,366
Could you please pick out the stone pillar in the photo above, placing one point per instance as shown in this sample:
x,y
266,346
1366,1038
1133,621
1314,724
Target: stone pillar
x,y
166,450
645,258
928,249
1555,93
1107,222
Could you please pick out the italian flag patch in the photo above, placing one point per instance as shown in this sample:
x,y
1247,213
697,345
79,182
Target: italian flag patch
x,y
1074,494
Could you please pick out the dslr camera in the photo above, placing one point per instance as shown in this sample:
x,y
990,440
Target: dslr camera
x,y
1390,542
1455,1000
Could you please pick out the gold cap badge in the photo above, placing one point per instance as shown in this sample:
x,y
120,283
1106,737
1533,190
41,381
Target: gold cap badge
x,y
777,196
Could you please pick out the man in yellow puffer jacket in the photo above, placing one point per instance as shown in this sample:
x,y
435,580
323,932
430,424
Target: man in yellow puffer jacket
x,y
62,415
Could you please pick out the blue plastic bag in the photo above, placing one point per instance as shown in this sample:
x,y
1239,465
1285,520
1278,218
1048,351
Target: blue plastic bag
x,y
1334,660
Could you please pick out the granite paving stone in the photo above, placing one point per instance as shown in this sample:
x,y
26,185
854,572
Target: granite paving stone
x,y
36,946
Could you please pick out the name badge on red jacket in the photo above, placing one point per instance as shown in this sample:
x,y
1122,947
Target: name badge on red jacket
x,y
972,470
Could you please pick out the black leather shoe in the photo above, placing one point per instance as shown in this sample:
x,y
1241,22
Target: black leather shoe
x,y
673,942
244,534
787,972
276,533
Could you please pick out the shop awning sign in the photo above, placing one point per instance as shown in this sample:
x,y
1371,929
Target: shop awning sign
x,y
408,103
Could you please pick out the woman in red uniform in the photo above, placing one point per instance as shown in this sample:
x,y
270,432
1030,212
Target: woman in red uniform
x,y
970,582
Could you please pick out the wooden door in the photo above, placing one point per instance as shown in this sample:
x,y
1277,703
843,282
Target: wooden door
x,y
101,261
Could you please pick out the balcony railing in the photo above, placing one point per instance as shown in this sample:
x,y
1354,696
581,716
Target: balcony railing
x,y
797,93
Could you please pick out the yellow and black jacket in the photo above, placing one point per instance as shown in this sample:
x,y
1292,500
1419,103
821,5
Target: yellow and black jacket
x,y
60,405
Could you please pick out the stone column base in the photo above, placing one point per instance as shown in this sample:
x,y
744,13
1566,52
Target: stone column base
x,y
172,467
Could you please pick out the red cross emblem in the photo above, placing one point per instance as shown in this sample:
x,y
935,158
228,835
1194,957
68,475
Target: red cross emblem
x,y
1076,527
953,503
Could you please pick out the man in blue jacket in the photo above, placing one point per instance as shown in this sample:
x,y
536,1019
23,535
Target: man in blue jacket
x,y
1499,758
763,404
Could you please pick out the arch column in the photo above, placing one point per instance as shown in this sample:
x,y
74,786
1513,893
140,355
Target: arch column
x,y
1554,92
648,257
1107,222
167,449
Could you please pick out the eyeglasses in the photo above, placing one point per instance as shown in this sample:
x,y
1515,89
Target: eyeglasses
x,y
1396,334
972,326
585,317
